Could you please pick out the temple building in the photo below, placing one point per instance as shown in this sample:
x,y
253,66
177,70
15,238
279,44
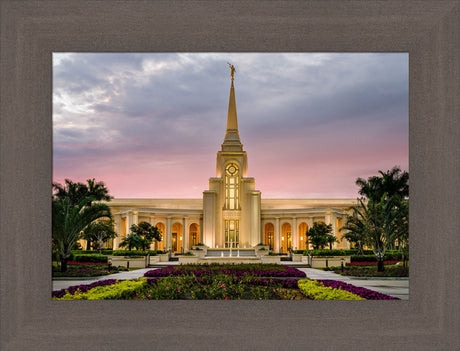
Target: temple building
x,y
231,212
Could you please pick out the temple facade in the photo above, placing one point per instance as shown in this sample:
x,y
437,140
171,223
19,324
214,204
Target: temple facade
x,y
231,212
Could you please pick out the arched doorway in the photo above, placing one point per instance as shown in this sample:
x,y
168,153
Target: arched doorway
x,y
176,237
303,228
286,237
194,235
160,245
269,235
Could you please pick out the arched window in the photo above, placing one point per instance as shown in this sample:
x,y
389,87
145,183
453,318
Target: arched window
x,y
232,187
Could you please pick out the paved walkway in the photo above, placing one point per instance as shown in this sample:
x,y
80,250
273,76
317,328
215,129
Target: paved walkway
x,y
398,287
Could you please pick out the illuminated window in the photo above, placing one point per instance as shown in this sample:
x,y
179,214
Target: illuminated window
x,y
232,187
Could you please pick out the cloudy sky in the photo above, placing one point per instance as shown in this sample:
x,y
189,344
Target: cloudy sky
x,y
149,125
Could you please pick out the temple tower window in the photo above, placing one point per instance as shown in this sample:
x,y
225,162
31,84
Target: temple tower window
x,y
232,187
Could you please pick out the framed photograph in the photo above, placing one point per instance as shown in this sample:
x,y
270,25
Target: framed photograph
x,y
33,31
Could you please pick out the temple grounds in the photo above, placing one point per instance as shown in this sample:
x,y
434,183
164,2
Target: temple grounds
x,y
395,287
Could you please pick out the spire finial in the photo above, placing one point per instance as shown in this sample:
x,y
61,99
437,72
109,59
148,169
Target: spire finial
x,y
232,68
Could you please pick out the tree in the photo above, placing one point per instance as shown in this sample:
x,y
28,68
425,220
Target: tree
x,y
99,232
77,191
132,241
69,220
94,191
374,223
392,182
381,218
147,232
320,235
74,191
98,190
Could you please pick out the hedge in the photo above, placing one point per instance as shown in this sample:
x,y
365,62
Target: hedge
x,y
90,258
134,253
389,256
92,252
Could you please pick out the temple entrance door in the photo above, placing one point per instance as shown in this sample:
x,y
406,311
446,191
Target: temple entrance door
x,y
232,233
286,237
174,242
303,239
269,238
194,235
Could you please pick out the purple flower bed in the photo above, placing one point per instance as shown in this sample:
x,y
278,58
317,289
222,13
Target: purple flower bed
x,y
285,283
363,292
169,271
83,287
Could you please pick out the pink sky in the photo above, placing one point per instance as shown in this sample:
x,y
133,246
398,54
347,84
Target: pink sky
x,y
150,125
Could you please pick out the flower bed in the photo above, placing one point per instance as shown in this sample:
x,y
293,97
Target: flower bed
x,y
314,290
82,288
220,282
123,290
258,270
219,287
390,271
362,292
74,263
86,270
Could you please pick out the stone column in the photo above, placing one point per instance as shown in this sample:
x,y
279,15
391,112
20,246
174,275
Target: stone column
x,y
334,228
135,217
129,222
310,224
185,234
255,236
200,239
295,237
168,234
209,217
117,228
277,243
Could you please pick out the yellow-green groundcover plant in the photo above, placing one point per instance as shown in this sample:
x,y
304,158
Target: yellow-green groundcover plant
x,y
316,291
120,291
126,289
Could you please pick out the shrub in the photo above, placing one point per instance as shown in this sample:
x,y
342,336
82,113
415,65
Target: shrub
x,y
126,289
92,252
389,256
363,258
363,292
317,291
90,258
135,253
82,288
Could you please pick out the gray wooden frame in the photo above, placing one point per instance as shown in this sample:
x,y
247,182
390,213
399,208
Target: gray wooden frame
x,y
32,30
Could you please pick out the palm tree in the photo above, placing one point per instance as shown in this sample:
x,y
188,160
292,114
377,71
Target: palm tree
x,y
98,190
77,191
69,220
391,182
373,223
74,191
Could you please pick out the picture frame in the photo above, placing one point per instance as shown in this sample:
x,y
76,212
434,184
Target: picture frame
x,y
31,31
